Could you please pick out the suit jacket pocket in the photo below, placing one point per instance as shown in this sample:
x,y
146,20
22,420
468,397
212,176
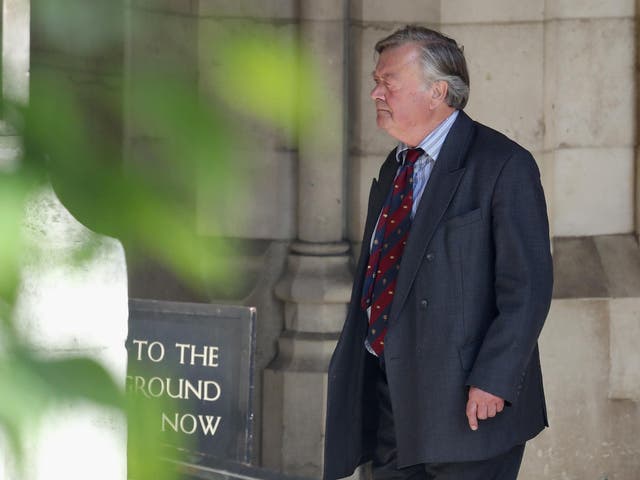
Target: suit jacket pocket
x,y
464,219
461,234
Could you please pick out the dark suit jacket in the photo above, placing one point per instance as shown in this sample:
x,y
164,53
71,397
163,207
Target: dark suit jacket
x,y
473,292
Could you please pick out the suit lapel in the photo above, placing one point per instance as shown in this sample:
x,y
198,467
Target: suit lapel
x,y
437,196
379,191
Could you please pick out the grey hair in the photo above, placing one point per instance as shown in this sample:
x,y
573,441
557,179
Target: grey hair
x,y
441,57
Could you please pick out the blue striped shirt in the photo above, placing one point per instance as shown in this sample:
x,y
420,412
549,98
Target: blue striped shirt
x,y
432,144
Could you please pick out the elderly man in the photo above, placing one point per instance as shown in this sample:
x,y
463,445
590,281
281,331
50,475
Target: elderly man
x,y
436,374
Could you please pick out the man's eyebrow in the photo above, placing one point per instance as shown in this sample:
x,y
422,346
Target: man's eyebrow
x,y
384,76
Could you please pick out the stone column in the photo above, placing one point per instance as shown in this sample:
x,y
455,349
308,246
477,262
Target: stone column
x,y
68,311
317,283
637,130
15,70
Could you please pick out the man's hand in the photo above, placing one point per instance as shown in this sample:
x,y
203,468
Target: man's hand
x,y
482,405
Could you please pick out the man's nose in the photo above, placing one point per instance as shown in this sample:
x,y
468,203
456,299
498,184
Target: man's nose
x,y
377,93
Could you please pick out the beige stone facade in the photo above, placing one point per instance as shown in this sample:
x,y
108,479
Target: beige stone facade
x,y
558,76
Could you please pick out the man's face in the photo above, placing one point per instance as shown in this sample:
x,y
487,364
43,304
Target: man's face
x,y
400,94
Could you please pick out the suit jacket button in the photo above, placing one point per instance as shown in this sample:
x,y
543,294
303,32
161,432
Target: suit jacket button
x,y
430,257
424,304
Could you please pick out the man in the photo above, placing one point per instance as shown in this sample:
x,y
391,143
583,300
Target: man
x,y
436,374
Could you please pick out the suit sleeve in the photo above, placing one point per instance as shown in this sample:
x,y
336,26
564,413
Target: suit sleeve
x,y
523,278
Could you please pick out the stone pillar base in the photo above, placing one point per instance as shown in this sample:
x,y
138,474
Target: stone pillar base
x,y
316,290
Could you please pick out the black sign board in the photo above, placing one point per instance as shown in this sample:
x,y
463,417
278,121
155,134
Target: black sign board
x,y
200,357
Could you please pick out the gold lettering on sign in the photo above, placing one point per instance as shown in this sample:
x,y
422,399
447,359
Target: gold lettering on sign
x,y
189,424
208,357
204,390
177,388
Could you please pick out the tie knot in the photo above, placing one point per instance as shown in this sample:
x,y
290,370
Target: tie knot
x,y
412,155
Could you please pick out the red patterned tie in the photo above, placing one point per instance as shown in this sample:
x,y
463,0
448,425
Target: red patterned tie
x,y
388,244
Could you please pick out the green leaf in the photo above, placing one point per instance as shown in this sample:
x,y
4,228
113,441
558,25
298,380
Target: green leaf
x,y
268,76
77,379
13,193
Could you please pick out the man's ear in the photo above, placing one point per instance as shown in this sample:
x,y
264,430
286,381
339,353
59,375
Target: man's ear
x,y
439,91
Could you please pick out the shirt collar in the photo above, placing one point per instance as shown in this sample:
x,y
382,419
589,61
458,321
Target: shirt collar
x,y
432,143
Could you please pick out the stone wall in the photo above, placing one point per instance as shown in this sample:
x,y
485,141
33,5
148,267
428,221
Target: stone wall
x,y
591,434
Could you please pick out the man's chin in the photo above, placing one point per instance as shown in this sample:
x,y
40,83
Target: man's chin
x,y
383,119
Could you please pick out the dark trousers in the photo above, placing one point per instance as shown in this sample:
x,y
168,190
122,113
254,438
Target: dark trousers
x,y
384,466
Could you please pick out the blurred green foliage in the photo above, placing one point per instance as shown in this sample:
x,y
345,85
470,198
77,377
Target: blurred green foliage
x,y
75,143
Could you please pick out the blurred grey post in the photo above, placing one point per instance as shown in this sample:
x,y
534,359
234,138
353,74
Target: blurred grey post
x,y
14,84
15,71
